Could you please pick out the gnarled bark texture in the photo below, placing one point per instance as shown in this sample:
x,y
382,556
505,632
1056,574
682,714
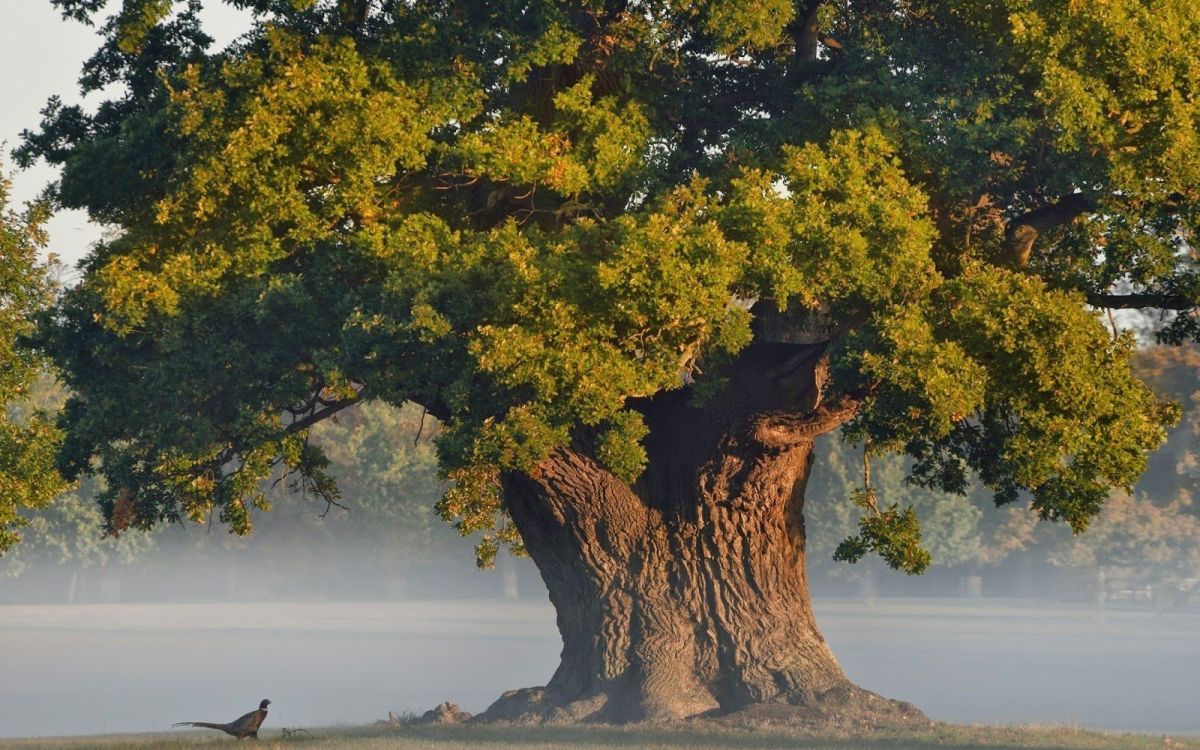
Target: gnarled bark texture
x,y
685,593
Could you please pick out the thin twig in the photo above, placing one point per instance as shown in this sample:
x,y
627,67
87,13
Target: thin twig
x,y
329,503
289,733
868,493
420,427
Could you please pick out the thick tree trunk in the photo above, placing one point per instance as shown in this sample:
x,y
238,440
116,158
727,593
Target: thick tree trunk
x,y
685,594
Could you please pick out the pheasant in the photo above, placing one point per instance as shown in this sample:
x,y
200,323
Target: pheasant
x,y
243,726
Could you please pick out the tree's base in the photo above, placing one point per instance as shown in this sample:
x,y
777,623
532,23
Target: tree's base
x,y
539,705
843,708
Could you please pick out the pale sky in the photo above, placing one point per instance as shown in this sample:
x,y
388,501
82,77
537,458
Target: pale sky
x,y
40,55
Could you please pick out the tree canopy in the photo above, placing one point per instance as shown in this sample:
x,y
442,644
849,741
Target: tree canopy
x,y
525,215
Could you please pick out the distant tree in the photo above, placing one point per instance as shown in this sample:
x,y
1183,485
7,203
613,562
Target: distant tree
x,y
382,520
635,256
1174,473
1014,530
68,533
1141,541
950,525
386,466
28,439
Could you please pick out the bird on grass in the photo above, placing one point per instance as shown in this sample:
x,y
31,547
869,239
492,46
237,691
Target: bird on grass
x,y
244,726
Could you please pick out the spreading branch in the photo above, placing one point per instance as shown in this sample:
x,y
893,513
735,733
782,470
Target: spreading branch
x,y
782,429
331,408
1142,300
1024,230
310,403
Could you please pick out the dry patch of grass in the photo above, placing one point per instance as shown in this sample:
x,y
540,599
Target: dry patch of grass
x,y
939,737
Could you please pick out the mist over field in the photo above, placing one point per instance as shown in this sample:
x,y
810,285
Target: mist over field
x,y
88,669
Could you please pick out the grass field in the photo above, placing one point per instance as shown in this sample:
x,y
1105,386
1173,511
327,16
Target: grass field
x,y
940,737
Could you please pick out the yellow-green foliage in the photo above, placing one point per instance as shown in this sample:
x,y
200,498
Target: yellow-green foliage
x,y
738,26
840,225
1116,81
594,146
28,475
1053,403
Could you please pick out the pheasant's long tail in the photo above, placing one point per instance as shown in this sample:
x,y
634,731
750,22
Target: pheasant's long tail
x,y
202,724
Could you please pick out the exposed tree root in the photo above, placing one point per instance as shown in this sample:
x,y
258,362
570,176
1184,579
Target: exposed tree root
x,y
843,708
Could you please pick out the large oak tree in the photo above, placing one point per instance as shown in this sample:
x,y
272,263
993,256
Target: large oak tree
x,y
635,255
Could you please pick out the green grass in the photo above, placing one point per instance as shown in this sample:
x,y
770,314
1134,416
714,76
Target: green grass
x,y
940,737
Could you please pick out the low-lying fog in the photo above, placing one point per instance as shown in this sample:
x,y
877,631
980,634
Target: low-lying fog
x,y
94,668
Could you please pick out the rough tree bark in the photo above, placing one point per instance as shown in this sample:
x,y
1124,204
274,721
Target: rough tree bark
x,y
685,593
